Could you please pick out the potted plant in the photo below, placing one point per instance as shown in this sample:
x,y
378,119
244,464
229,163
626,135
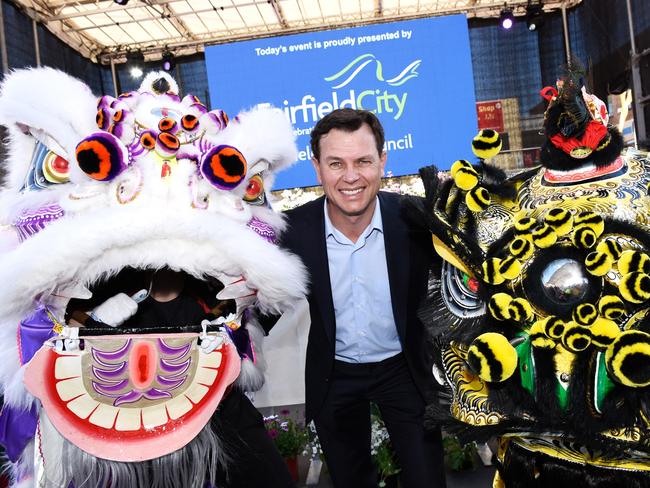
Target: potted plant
x,y
289,437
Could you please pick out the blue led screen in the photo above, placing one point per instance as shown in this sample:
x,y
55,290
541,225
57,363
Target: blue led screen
x,y
415,75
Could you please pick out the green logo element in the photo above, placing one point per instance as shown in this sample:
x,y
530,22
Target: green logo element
x,y
358,64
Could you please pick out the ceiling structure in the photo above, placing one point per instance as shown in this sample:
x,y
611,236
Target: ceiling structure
x,y
103,30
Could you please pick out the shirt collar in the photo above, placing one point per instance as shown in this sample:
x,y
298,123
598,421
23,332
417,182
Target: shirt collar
x,y
375,223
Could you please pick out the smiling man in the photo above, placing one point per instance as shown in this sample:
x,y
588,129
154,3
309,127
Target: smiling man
x,y
369,270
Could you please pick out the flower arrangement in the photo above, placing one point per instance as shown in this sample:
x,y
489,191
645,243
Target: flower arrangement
x,y
312,449
381,448
289,437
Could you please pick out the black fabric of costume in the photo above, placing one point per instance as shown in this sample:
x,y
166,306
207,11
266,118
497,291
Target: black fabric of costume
x,y
182,310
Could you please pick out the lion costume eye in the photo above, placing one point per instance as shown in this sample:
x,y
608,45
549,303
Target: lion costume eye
x,y
557,280
460,292
255,191
224,167
101,156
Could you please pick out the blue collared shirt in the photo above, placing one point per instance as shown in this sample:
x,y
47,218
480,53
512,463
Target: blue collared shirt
x,y
365,326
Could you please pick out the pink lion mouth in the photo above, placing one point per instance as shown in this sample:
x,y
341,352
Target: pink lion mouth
x,y
132,397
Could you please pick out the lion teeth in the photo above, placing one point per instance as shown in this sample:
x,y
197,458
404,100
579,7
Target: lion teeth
x,y
206,376
196,393
128,419
154,416
83,406
237,289
178,407
212,360
70,388
104,416
67,367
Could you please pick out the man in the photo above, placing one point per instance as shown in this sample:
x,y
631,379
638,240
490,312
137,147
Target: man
x,y
369,270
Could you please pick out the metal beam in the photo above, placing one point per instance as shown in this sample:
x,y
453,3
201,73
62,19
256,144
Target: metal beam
x,y
279,14
637,83
149,3
388,15
82,38
3,42
114,76
37,46
565,28
182,47
173,18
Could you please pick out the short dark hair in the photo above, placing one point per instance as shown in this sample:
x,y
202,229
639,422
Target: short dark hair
x,y
348,120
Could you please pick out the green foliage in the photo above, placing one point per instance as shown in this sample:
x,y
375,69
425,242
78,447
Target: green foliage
x,y
457,457
289,437
381,448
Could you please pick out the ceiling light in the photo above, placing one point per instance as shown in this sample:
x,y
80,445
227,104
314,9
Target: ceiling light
x,y
136,72
135,63
121,2
506,19
534,17
168,63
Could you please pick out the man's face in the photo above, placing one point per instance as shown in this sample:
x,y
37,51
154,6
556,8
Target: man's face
x,y
350,170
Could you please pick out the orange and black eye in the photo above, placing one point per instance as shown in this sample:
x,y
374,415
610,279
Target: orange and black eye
x,y
118,115
102,118
255,190
189,122
224,167
101,156
167,124
167,143
148,139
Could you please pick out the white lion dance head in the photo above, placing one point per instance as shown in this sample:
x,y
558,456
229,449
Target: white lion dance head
x,y
98,196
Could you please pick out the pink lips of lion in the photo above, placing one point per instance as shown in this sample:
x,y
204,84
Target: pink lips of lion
x,y
125,398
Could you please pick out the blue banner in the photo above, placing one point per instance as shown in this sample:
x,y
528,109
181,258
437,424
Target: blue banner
x,y
415,75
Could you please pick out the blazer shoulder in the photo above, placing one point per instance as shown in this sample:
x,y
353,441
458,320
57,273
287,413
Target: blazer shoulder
x,y
306,209
301,221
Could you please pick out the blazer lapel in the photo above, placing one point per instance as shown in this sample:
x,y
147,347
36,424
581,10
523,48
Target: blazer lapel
x,y
316,260
396,243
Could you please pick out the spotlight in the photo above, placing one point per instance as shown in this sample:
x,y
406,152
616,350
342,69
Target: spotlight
x,y
136,72
135,62
168,63
506,19
534,17
121,2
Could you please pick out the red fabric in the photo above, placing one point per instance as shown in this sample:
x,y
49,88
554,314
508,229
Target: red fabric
x,y
548,92
591,138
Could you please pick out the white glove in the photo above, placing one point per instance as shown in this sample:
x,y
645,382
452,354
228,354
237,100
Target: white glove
x,y
116,310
